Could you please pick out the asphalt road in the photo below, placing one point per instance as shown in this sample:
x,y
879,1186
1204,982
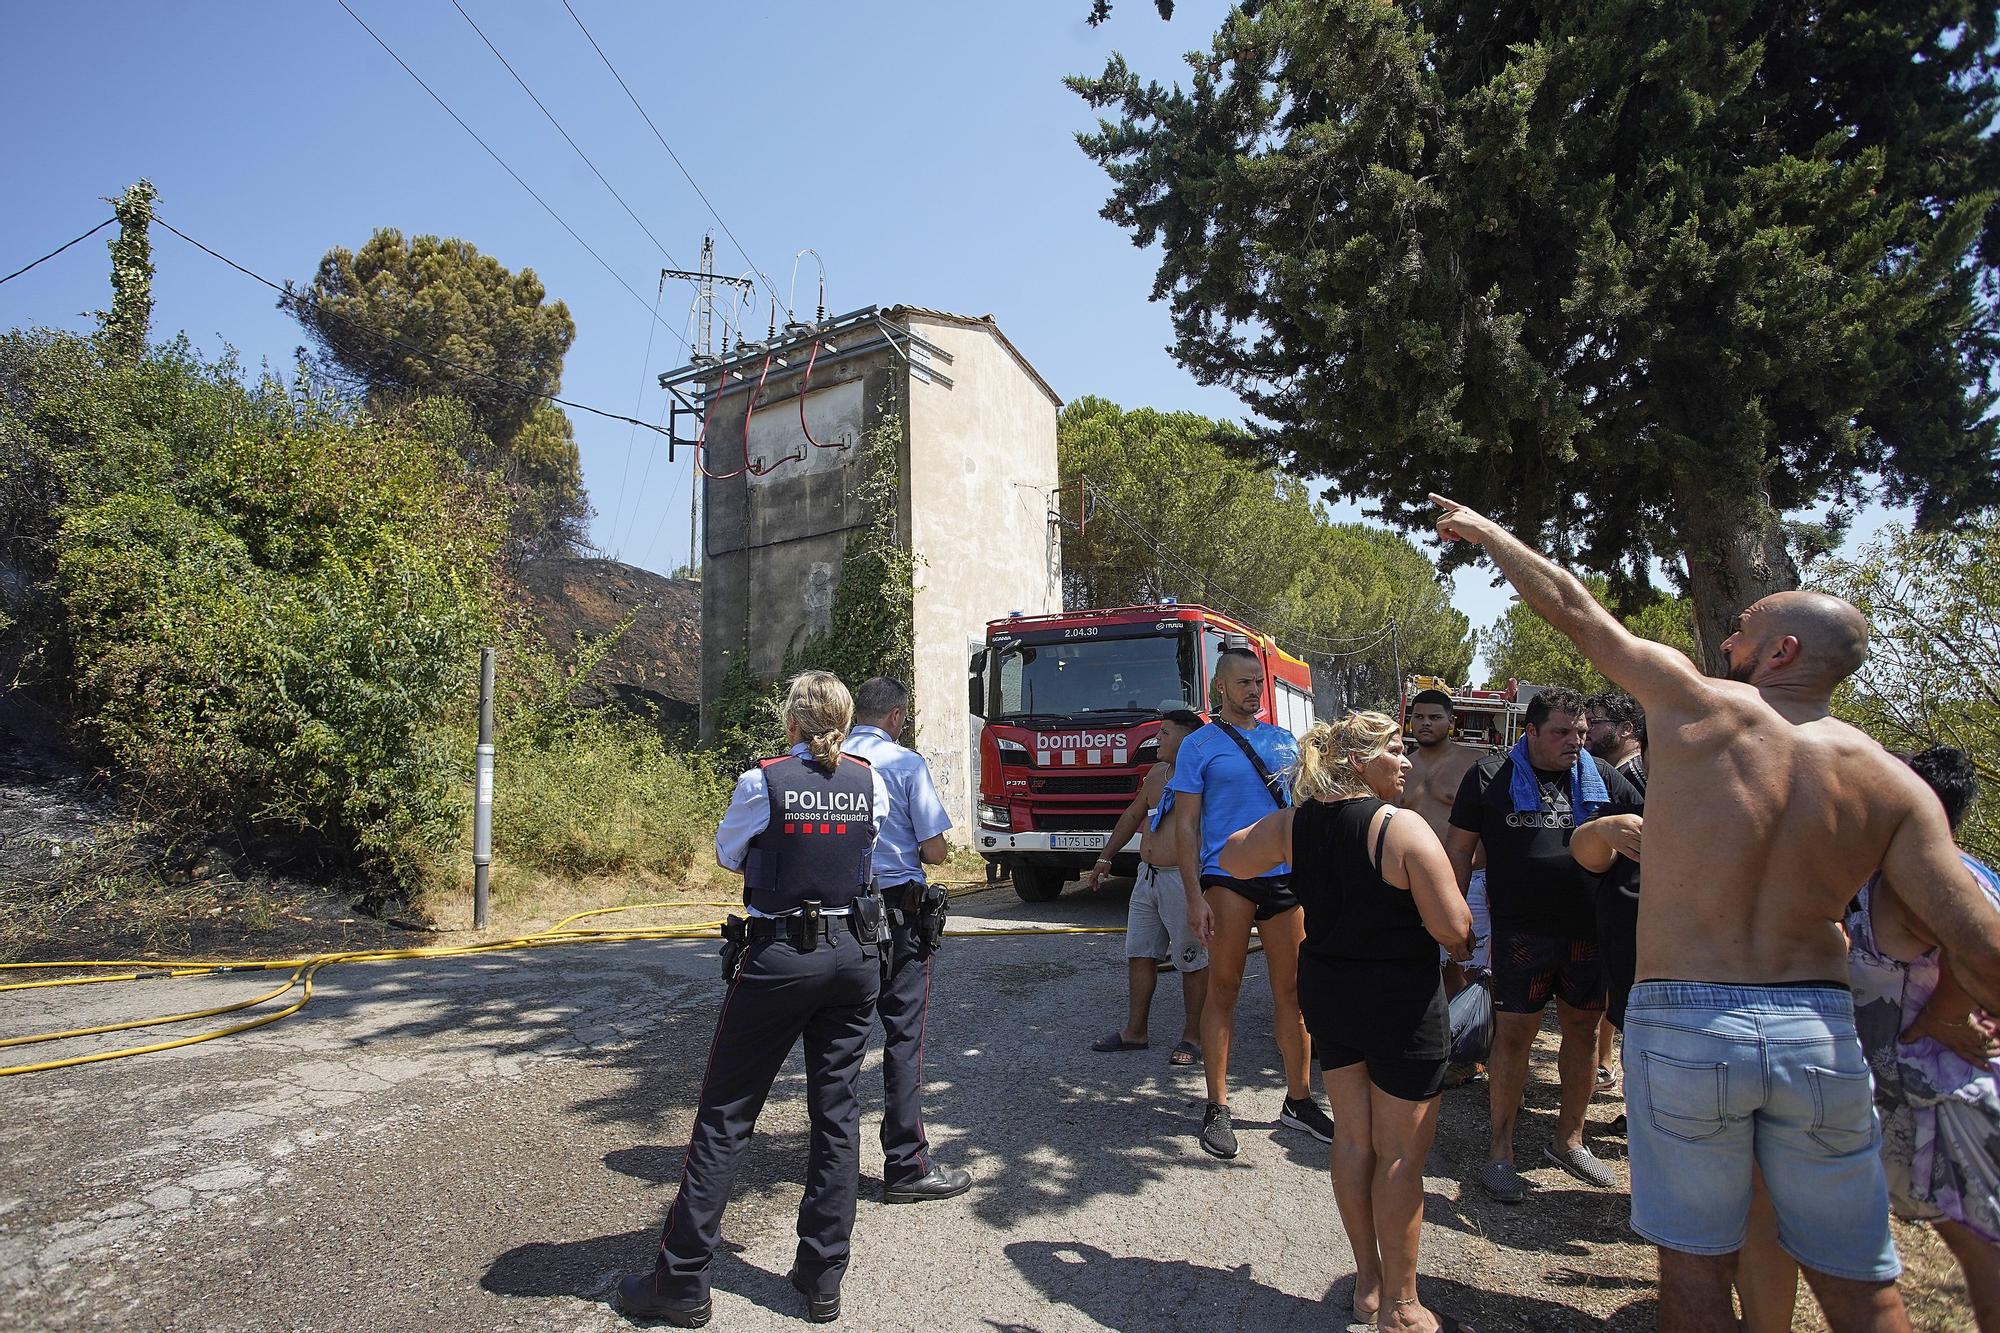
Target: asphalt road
x,y
488,1143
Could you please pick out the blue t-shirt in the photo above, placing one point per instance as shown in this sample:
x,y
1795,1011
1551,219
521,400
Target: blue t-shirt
x,y
1211,765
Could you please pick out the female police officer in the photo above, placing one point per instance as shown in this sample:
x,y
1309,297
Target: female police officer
x,y
801,830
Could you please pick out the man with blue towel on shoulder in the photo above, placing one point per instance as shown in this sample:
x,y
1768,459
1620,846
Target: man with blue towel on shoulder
x,y
1522,807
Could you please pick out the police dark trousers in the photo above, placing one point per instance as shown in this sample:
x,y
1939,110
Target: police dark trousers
x,y
826,996
819,984
906,996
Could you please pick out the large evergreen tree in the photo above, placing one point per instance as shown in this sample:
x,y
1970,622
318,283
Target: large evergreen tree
x,y
1637,278
1168,510
405,319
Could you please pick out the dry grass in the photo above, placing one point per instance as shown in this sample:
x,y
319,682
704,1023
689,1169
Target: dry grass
x,y
1932,1287
522,900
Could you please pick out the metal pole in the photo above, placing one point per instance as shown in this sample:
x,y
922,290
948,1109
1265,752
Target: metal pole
x,y
482,806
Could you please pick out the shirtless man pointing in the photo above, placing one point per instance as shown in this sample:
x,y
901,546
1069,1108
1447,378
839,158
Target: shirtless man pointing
x,y
1764,815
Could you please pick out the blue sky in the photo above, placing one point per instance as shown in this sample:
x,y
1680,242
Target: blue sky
x,y
925,150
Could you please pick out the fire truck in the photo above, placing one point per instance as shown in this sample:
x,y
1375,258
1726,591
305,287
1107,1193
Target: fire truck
x,y
1070,706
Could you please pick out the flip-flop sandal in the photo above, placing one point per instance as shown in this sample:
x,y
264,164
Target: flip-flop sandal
x,y
1359,1318
1184,1053
1115,1041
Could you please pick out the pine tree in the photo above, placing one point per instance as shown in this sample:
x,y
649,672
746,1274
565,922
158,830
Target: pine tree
x,y
400,320
1636,278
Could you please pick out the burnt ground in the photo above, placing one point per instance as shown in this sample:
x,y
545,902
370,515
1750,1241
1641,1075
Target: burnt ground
x,y
80,877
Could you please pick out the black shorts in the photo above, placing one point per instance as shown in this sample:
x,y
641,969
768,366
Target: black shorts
x,y
1527,969
1618,942
1392,1016
1272,893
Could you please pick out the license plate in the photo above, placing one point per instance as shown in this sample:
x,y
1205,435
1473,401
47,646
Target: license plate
x,y
1077,842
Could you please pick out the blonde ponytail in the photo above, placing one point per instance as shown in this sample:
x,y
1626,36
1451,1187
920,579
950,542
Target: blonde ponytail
x,y
820,709
1332,754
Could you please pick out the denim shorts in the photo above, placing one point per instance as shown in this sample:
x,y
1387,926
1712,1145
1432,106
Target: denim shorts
x,y
1719,1076
1156,921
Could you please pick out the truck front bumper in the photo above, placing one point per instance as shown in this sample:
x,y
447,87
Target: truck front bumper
x,y
993,842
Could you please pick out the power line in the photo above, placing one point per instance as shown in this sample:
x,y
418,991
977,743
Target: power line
x,y
672,154
550,115
59,249
504,167
292,301
631,432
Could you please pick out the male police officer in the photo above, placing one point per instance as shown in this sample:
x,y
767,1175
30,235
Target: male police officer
x,y
910,837
800,829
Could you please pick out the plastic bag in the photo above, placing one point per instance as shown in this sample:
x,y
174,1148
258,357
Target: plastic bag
x,y
1472,1020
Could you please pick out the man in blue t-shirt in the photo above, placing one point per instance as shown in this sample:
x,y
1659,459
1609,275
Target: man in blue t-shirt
x,y
1219,789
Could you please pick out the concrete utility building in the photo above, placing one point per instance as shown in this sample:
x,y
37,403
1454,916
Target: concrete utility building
x,y
778,499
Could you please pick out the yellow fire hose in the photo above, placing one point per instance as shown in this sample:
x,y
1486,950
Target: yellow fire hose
x,y
303,971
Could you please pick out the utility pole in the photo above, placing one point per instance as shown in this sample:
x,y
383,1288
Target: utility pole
x,y
703,353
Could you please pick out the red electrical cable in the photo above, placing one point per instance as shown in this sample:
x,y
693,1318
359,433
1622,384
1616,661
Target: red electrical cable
x,y
750,410
701,446
804,385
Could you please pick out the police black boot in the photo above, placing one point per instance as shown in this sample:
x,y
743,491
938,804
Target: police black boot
x,y
940,1182
822,1307
639,1296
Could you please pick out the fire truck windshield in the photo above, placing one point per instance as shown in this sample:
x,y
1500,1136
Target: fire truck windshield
x,y
1148,675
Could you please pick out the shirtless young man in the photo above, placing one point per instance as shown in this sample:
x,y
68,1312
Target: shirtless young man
x,y
1437,767
1156,921
1764,816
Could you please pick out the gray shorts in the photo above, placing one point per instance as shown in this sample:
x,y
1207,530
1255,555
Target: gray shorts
x,y
1156,924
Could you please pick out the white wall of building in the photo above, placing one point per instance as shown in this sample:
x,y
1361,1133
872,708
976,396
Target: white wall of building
x,y
982,468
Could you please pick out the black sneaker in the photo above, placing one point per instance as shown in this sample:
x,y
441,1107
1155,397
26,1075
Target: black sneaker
x,y
940,1182
1218,1138
1304,1113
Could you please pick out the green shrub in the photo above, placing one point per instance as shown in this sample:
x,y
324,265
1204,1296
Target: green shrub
x,y
602,794
273,605
583,791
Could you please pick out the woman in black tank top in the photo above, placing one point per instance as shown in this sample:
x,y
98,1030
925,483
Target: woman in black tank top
x,y
1380,897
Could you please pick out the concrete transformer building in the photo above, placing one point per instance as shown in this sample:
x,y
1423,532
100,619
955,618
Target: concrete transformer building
x,y
978,479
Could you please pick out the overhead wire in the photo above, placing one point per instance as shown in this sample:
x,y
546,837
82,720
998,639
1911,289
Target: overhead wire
x,y
59,249
293,301
567,138
632,432
518,179
688,175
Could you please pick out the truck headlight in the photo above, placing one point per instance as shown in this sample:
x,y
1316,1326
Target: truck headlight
x,y
995,816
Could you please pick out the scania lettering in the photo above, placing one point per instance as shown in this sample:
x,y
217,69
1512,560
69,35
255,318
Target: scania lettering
x,y
1071,705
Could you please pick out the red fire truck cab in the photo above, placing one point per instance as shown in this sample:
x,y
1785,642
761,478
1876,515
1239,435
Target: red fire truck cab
x,y
1071,704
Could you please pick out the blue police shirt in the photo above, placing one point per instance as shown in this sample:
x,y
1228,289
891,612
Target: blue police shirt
x,y
915,812
1233,797
749,814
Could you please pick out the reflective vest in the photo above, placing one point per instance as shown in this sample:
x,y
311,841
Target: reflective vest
x,y
821,837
